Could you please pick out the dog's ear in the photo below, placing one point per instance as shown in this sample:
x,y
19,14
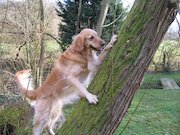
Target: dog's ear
x,y
78,42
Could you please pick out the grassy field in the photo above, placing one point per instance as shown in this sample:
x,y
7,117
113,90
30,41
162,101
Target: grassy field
x,y
155,77
153,111
158,114
157,110
152,80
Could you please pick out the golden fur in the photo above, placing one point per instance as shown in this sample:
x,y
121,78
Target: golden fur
x,y
68,80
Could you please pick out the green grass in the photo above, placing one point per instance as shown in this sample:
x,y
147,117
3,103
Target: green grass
x,y
15,119
153,80
157,114
157,76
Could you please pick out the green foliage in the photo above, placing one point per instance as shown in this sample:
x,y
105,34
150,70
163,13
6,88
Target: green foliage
x,y
68,12
115,13
158,114
88,18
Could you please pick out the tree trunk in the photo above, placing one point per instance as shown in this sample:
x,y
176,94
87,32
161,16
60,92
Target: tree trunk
x,y
78,16
122,71
42,48
26,31
164,61
102,16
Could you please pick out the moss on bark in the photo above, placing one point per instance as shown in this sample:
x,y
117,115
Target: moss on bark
x,y
122,71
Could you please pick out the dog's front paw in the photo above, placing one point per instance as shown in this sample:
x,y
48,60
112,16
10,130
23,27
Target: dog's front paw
x,y
113,39
92,98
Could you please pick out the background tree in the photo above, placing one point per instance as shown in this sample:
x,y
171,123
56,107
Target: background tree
x,y
74,18
102,16
114,19
68,11
164,57
25,26
78,16
121,73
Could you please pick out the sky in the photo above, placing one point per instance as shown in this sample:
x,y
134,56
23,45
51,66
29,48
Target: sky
x,y
127,3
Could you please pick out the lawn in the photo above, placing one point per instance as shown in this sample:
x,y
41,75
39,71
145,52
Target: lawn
x,y
153,80
158,114
155,77
157,111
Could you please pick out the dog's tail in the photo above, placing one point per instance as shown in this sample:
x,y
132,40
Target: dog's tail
x,y
25,84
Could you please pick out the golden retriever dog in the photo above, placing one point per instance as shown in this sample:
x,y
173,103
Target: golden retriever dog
x,y
68,80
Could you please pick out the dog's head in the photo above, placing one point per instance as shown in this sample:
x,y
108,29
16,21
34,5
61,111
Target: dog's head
x,y
89,39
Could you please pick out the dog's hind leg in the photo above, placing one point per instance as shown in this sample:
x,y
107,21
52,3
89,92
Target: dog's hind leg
x,y
39,123
41,116
50,130
51,124
56,112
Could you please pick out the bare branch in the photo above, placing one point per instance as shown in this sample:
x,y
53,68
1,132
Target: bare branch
x,y
59,42
111,23
19,49
48,34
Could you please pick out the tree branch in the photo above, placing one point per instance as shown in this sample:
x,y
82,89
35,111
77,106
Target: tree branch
x,y
59,42
111,23
19,49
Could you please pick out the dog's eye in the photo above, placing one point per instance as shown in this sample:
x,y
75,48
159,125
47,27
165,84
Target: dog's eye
x,y
91,37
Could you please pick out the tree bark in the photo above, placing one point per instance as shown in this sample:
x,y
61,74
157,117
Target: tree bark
x,y
42,48
122,71
102,16
78,16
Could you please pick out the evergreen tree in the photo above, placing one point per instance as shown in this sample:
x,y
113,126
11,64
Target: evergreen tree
x,y
90,11
68,12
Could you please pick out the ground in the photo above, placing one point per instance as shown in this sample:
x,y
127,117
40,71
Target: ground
x,y
153,111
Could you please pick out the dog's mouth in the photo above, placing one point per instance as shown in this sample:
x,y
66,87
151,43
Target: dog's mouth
x,y
96,49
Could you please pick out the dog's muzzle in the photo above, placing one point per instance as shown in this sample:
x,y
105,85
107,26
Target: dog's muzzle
x,y
100,48
96,49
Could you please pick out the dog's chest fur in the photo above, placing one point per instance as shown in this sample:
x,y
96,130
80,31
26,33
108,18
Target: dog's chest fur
x,y
85,79
93,62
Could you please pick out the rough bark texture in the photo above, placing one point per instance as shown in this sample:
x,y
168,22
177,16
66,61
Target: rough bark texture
x,y
122,71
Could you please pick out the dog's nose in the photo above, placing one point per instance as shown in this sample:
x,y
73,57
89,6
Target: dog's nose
x,y
102,43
